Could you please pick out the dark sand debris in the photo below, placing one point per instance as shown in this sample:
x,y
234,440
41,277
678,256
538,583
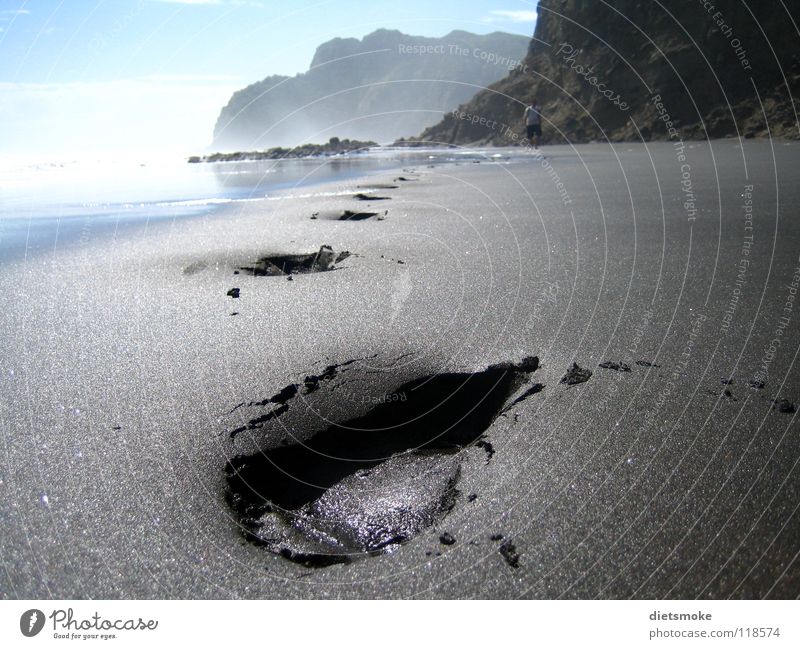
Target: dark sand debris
x,y
447,539
617,367
510,554
783,405
534,389
195,267
487,446
575,375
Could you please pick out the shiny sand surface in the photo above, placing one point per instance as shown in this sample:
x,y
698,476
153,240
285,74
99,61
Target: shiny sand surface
x,y
129,389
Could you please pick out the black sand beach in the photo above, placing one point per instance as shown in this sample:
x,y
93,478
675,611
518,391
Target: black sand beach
x,y
145,399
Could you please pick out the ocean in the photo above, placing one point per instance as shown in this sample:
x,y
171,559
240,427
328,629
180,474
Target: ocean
x,y
46,205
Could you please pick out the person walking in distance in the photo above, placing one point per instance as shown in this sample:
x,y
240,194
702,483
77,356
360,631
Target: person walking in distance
x,y
533,123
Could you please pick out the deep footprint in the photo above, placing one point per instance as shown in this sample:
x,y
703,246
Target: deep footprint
x,y
369,484
379,186
370,197
349,215
324,259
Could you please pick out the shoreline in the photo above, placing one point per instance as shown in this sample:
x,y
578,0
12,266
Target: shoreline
x,y
74,229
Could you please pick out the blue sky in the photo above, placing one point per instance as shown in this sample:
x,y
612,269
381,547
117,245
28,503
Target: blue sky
x,y
153,74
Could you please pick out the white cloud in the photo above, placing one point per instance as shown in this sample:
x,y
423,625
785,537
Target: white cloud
x,y
232,3
14,12
510,16
190,78
190,2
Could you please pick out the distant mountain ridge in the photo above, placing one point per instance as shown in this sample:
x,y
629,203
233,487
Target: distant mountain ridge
x,y
626,69
381,87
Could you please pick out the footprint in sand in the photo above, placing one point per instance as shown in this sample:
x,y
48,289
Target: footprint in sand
x,y
323,260
369,484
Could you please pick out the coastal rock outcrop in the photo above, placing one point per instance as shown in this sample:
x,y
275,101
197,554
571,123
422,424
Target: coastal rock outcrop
x,y
382,87
629,70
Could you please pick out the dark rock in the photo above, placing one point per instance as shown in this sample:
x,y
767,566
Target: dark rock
x,y
280,153
342,87
234,293
496,537
704,88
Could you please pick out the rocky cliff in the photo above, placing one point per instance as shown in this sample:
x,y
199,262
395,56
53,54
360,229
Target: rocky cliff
x,y
625,69
381,87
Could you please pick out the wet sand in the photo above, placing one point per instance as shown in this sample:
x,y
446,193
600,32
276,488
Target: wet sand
x,y
146,400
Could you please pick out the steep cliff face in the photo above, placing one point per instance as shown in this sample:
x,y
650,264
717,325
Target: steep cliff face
x,y
380,88
625,69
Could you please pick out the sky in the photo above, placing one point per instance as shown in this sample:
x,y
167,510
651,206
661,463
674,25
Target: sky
x,y
152,75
